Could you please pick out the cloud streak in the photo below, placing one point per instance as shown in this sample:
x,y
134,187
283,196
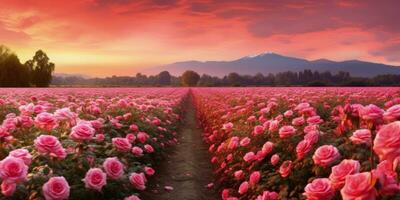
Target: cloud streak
x,y
131,35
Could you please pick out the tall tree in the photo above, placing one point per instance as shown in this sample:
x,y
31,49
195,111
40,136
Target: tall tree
x,y
164,78
190,78
42,69
12,72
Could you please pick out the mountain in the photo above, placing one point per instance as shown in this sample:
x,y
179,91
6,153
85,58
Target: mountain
x,y
274,63
65,75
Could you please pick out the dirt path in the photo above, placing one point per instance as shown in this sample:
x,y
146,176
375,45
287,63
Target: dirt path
x,y
187,169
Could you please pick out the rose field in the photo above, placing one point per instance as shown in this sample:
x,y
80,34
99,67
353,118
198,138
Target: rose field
x,y
263,143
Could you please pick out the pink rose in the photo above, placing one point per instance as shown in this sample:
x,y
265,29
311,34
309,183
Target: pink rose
x,y
371,113
149,171
142,137
100,137
122,144
13,170
387,142
254,178
133,127
233,142
310,128
298,121
314,120
340,171
288,113
319,189
82,131
137,151
302,148
22,154
113,168
131,137
285,168
359,186
148,148
132,197
8,189
273,125
267,195
249,156
392,114
326,155
243,187
138,180
258,130
361,136
228,126
56,188
46,121
387,178
245,141
95,179
267,147
65,114
312,137
286,131
274,159
48,144
238,174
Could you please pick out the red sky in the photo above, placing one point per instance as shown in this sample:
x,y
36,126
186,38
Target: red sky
x,y
121,37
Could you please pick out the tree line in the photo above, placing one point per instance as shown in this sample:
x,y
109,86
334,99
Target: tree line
x,y
191,78
34,72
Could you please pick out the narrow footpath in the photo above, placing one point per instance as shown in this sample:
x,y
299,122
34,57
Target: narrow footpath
x,y
187,169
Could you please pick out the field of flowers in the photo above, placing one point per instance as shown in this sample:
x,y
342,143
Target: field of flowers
x,y
84,143
303,143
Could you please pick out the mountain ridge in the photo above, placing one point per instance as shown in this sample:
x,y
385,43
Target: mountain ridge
x,y
269,62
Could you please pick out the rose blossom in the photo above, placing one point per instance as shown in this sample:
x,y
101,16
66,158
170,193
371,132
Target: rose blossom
x,y
302,148
312,137
267,147
325,155
132,197
387,178
95,179
122,144
361,136
22,154
298,121
359,186
254,178
243,187
319,189
340,171
249,156
148,148
56,188
371,113
285,168
149,171
48,144
142,137
238,174
392,114
82,131
258,130
13,170
113,168
137,151
286,131
138,180
8,189
245,141
274,159
46,121
314,120
267,195
387,142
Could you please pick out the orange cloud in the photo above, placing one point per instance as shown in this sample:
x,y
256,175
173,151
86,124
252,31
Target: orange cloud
x,y
121,37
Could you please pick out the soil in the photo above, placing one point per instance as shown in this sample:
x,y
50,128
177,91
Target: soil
x,y
187,168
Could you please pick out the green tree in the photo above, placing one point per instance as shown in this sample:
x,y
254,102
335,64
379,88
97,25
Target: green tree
x,y
42,69
190,78
12,72
164,78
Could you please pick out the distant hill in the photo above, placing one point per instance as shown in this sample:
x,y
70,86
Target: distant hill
x,y
274,63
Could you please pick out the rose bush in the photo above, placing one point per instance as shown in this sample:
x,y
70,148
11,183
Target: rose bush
x,y
323,143
84,143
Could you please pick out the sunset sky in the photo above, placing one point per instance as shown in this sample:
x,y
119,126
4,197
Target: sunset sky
x,y
122,37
